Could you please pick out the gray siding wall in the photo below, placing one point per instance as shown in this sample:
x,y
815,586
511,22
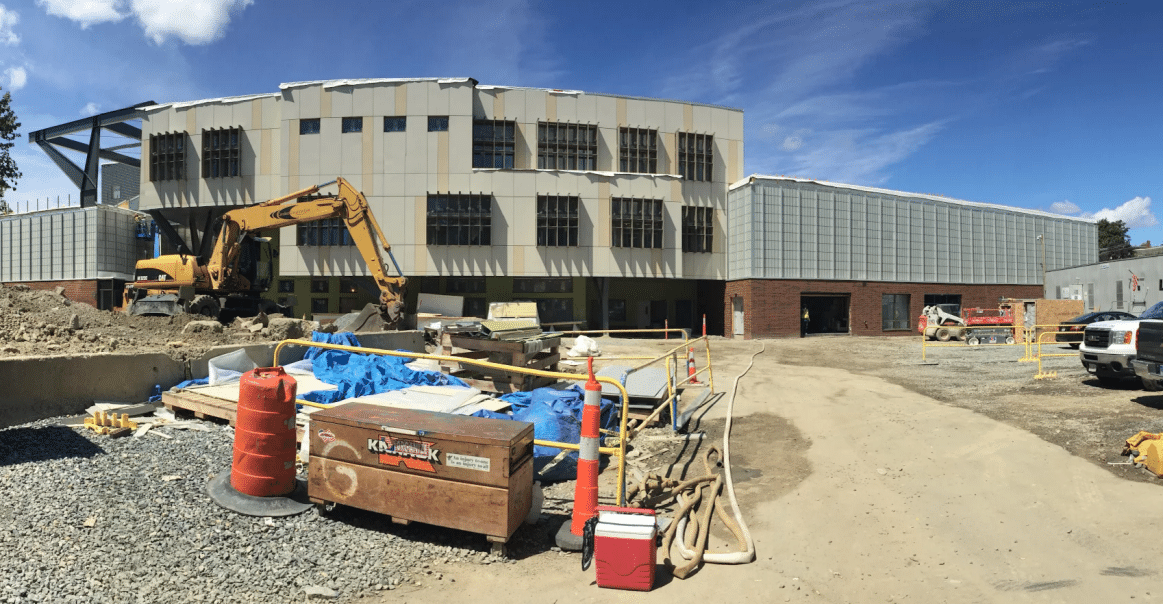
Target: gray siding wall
x,y
1097,284
77,243
797,230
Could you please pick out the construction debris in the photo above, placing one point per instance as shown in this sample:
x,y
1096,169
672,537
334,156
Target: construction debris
x,y
110,423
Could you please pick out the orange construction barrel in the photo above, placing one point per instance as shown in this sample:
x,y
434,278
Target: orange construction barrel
x,y
264,434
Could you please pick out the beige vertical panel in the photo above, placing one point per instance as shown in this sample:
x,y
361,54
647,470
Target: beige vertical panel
x,y
324,102
442,161
621,112
602,226
368,155
688,117
518,254
402,100
420,259
293,155
264,160
719,233
551,107
676,191
733,167
499,105
256,113
191,120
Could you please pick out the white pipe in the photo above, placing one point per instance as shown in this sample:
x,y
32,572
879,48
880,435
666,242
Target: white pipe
x,y
748,555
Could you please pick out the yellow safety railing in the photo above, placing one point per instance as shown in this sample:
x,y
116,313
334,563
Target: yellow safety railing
x,y
672,382
1042,375
958,336
619,451
669,330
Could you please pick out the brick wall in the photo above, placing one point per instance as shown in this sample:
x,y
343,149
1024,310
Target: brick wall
x,y
77,291
771,307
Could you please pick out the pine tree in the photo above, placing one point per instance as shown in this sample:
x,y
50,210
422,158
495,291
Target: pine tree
x,y
9,173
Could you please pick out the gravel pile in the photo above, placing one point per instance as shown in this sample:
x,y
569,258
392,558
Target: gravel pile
x,y
87,518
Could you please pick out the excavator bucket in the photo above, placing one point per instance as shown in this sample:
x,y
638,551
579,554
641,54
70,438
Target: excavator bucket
x,y
159,304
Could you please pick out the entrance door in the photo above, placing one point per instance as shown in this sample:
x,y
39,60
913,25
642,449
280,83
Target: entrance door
x,y
827,313
737,315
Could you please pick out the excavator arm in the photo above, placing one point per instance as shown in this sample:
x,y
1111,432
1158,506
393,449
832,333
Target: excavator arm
x,y
297,208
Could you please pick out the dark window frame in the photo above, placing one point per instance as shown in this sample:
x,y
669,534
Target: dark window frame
x,y
320,285
395,123
350,125
542,285
286,286
558,220
221,152
329,232
638,150
494,143
696,156
438,123
167,156
460,220
567,146
320,305
698,229
309,125
636,223
464,285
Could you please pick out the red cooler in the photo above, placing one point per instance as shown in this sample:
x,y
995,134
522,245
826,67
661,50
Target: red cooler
x,y
625,548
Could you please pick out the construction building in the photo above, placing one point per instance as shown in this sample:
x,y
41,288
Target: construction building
x,y
580,201
1131,284
865,261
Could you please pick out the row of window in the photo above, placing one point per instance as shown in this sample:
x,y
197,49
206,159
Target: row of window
x,y
894,309
468,220
560,146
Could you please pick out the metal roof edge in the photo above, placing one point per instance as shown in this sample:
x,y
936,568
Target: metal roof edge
x,y
226,100
824,183
357,82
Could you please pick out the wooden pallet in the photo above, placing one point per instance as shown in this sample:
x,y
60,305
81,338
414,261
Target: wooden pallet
x,y
530,354
200,405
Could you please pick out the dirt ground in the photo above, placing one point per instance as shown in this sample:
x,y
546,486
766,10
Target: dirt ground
x,y
41,322
866,475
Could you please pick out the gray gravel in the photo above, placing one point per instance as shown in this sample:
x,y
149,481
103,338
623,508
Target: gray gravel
x,y
86,518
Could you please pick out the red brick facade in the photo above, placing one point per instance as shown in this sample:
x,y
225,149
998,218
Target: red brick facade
x,y
771,307
77,291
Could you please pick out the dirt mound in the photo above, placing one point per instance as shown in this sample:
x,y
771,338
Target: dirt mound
x,y
46,323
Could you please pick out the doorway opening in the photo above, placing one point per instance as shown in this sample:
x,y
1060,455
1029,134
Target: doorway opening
x,y
827,313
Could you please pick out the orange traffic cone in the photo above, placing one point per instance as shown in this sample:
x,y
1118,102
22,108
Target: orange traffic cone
x,y
690,366
585,495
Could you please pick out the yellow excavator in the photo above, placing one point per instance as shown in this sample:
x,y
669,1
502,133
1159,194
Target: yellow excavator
x,y
228,284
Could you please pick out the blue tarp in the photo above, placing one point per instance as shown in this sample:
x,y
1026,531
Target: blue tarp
x,y
345,338
555,415
362,374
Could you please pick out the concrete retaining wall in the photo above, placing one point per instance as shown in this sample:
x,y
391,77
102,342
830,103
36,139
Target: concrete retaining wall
x,y
39,387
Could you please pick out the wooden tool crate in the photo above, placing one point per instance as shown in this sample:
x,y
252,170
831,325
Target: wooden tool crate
x,y
534,353
468,473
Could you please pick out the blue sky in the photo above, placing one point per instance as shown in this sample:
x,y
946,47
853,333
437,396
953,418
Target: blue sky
x,y
1043,105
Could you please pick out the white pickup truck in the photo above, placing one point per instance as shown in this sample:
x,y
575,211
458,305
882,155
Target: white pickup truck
x,y
1108,347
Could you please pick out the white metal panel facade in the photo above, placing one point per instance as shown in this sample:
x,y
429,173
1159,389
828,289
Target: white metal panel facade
x,y
70,244
793,229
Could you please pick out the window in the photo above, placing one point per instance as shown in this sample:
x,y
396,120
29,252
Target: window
x,y
617,311
395,124
695,156
460,220
321,285
894,312
309,126
638,150
352,124
542,285
349,285
698,229
429,285
286,286
555,310
1118,294
636,222
438,123
167,156
116,191
557,220
324,233
493,142
950,300
320,304
476,307
221,148
466,285
567,146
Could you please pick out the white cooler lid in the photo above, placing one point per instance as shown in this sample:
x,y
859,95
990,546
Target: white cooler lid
x,y
625,526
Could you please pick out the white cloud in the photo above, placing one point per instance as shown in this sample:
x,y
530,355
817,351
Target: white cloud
x,y
796,140
1135,213
1064,207
91,108
85,12
17,77
193,21
855,156
8,21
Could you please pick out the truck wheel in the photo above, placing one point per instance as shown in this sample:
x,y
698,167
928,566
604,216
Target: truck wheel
x,y
1150,385
973,341
1010,340
204,305
943,334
